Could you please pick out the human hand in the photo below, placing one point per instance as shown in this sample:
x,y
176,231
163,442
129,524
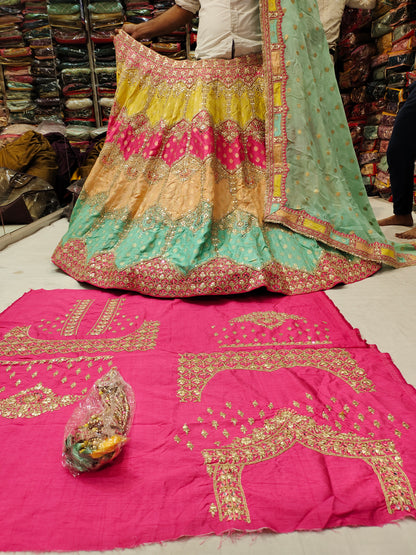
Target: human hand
x,y
135,30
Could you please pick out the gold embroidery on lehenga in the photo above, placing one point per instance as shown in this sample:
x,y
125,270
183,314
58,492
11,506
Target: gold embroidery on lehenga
x,y
162,279
34,401
196,370
18,342
278,434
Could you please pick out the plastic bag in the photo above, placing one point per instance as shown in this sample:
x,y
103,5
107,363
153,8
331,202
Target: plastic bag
x,y
98,428
24,198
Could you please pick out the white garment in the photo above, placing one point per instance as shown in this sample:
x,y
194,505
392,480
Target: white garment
x,y
331,12
227,28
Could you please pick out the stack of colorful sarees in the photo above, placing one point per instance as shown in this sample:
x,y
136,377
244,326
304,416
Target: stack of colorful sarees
x,y
222,176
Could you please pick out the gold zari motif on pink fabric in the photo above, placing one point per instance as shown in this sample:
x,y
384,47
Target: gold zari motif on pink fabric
x,y
196,370
278,434
34,401
18,342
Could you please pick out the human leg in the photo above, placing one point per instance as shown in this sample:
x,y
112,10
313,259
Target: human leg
x,y
408,234
401,155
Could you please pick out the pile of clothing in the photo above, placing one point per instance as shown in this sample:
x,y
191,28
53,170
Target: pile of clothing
x,y
39,167
28,168
106,88
377,62
44,63
15,57
104,18
29,61
172,45
69,33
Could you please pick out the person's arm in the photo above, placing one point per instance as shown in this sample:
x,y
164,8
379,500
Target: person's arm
x,y
361,4
163,24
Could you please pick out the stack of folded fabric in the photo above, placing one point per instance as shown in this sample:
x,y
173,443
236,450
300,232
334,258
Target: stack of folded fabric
x,y
107,80
3,111
15,57
391,63
355,52
105,71
104,18
393,28
69,34
78,104
77,93
67,28
37,32
28,59
138,11
172,45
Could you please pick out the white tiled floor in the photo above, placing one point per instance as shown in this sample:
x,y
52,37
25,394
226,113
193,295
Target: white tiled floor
x,y
382,307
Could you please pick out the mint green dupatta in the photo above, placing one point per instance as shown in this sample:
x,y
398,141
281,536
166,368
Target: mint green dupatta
x,y
314,184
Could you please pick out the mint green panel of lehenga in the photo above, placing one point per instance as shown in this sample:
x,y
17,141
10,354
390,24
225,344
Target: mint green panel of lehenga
x,y
221,176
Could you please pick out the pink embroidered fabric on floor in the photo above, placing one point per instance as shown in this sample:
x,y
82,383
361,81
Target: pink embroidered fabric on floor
x,y
252,412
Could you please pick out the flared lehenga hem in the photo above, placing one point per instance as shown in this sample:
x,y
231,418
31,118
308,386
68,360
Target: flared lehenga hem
x,y
159,278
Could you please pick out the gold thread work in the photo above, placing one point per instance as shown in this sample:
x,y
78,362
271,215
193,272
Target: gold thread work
x,y
278,434
196,370
18,342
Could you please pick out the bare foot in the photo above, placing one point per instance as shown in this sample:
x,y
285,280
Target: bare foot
x,y
397,219
409,234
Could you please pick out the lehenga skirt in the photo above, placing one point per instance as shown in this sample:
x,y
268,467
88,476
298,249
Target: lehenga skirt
x,y
178,202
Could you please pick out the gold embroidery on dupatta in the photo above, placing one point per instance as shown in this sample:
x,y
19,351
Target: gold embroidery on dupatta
x,y
278,434
34,401
196,370
275,69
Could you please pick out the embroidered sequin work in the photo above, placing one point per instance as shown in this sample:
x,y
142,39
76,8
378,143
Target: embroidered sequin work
x,y
196,370
271,329
225,465
269,319
73,321
194,176
107,316
293,438
19,342
33,402
217,277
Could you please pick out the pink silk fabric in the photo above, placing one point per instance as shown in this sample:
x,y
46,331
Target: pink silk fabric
x,y
252,412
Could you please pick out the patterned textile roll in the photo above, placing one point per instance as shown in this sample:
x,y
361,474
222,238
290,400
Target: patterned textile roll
x,y
222,176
